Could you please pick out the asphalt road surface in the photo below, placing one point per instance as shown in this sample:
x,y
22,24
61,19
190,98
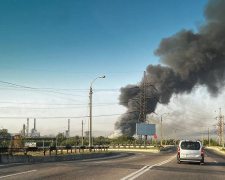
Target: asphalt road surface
x,y
121,165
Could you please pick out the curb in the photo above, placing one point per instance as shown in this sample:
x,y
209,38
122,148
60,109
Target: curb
x,y
218,149
29,158
137,150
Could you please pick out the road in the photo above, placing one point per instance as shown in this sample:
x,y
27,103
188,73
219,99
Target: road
x,y
121,165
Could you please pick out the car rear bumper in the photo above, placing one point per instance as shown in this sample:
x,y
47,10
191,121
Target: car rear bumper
x,y
191,160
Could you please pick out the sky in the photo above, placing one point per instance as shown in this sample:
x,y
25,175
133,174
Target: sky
x,y
51,51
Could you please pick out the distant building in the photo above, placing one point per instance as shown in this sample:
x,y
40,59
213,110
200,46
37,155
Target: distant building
x,y
33,132
67,134
86,134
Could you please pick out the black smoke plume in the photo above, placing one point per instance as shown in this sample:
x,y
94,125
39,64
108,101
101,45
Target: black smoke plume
x,y
190,59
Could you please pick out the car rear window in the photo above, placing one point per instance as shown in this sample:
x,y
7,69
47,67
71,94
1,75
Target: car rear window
x,y
190,145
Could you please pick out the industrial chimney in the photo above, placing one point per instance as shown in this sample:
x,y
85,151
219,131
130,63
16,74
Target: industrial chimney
x,y
24,128
69,127
34,124
27,127
68,131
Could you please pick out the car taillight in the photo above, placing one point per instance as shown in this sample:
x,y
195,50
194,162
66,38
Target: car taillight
x,y
202,153
178,151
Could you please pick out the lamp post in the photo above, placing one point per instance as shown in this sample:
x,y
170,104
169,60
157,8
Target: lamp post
x,y
175,137
90,122
161,127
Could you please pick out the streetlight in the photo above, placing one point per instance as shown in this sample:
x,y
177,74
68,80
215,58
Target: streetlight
x,y
175,137
90,122
161,127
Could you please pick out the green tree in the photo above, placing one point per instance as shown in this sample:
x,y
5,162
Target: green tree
x,y
4,138
125,139
101,141
4,143
71,141
4,133
60,138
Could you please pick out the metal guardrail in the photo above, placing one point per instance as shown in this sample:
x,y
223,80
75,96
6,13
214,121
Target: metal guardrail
x,y
132,146
72,149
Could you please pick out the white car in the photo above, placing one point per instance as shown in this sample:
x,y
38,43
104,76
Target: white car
x,y
190,151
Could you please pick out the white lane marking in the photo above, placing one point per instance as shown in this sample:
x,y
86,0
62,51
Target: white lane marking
x,y
215,161
145,169
101,161
159,164
17,174
134,173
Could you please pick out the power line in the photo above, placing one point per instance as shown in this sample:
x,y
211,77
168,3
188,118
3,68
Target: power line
x,y
36,89
181,127
205,116
191,110
189,124
42,107
53,107
58,89
72,117
68,72
51,104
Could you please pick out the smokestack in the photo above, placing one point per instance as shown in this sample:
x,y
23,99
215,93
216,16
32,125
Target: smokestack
x,y
24,128
190,59
69,127
27,127
34,124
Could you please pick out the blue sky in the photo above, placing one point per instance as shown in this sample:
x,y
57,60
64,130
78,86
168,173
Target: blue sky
x,y
67,43
87,38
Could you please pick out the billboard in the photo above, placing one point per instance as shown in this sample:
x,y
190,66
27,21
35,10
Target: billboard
x,y
145,129
30,144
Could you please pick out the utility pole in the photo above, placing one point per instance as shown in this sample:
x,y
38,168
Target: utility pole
x,y
161,132
142,115
223,132
82,140
208,137
220,127
144,105
202,138
175,137
144,98
161,128
90,121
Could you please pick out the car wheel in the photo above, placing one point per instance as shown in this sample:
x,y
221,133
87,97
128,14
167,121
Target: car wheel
x,y
202,161
178,159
